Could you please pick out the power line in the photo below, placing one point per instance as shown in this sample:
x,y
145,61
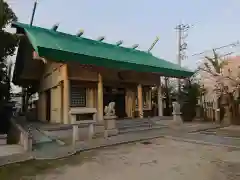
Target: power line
x,y
234,44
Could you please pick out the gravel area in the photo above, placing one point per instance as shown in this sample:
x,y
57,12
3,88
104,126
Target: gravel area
x,y
161,158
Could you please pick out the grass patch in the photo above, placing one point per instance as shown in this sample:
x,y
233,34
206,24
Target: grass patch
x,y
30,169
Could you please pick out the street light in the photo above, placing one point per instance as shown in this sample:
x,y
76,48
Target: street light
x,y
33,12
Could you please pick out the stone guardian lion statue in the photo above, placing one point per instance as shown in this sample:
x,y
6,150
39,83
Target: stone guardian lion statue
x,y
110,109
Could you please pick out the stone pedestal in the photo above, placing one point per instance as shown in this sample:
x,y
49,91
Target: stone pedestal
x,y
75,134
110,126
177,119
217,115
198,111
227,116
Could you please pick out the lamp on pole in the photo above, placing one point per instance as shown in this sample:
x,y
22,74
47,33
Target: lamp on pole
x,y
33,12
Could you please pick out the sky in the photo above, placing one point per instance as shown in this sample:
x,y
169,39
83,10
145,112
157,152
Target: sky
x,y
213,22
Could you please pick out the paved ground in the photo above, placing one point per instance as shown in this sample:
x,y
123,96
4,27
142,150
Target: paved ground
x,y
163,159
186,152
49,151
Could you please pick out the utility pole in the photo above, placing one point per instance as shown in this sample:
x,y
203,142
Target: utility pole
x,y
33,12
182,30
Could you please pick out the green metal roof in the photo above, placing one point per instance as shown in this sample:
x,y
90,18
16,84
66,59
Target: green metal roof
x,y
64,47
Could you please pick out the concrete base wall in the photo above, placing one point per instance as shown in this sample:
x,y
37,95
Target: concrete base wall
x,y
3,139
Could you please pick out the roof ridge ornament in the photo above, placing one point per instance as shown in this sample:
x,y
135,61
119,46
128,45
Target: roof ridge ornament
x,y
135,46
119,42
55,26
80,33
101,38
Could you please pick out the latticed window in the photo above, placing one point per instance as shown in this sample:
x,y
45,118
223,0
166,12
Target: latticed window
x,y
78,95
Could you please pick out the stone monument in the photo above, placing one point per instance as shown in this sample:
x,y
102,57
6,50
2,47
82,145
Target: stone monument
x,y
225,103
177,114
110,120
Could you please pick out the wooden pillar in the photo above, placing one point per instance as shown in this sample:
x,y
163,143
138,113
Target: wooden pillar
x,y
66,95
140,101
129,104
41,106
100,98
90,97
160,103
150,99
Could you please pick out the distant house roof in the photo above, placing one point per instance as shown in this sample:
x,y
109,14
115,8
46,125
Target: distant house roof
x,y
64,47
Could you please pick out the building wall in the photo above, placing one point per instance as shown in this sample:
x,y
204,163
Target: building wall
x,y
41,106
53,75
56,104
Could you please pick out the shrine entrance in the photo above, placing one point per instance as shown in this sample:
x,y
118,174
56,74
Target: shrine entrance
x,y
116,95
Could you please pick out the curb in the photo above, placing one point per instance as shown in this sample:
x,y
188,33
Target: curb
x,y
140,130
205,129
87,148
200,142
16,158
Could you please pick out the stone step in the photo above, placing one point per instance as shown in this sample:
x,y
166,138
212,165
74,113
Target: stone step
x,y
39,137
134,126
129,130
46,145
134,122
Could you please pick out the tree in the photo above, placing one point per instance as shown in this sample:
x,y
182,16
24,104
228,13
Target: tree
x,y
223,82
8,44
189,95
7,48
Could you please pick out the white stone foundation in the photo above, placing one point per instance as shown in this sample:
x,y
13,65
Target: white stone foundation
x,y
3,139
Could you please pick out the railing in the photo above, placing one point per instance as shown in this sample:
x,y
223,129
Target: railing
x,y
20,136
